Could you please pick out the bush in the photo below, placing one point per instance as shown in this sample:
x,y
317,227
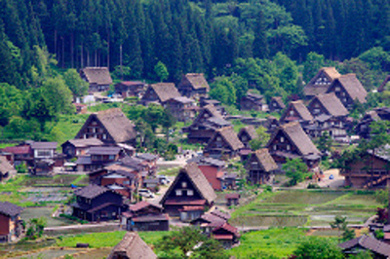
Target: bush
x,y
379,234
313,186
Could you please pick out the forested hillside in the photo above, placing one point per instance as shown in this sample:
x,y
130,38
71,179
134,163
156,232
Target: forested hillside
x,y
186,36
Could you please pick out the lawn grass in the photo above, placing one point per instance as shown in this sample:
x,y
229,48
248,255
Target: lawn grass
x,y
279,242
107,239
69,126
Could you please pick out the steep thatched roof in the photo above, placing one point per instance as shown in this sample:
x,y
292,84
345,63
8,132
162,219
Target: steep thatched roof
x,y
5,166
353,87
165,91
196,80
97,75
230,137
132,247
265,160
10,209
312,89
332,104
120,128
250,130
279,101
301,110
370,243
298,137
198,180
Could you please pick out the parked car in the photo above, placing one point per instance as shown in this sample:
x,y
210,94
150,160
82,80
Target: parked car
x,y
163,179
145,193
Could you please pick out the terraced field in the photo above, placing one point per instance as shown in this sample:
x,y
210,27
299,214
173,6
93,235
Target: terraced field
x,y
305,208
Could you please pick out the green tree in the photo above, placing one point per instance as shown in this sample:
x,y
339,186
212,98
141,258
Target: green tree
x,y
319,249
74,82
224,91
35,227
295,169
161,71
167,122
58,96
312,64
261,140
324,142
178,244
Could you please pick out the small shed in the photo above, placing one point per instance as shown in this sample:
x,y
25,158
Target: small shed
x,y
232,199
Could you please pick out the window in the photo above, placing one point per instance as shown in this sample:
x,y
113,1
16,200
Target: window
x,y
282,139
104,136
291,113
316,105
219,139
179,193
184,184
111,157
190,193
275,147
288,147
337,88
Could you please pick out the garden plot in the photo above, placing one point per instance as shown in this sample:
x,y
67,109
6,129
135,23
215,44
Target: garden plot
x,y
305,207
62,180
37,212
47,254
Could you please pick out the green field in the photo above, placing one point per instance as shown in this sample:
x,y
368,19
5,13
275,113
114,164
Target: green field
x,y
305,208
280,242
107,239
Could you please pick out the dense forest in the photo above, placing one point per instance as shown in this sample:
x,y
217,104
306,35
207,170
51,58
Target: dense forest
x,y
202,36
273,47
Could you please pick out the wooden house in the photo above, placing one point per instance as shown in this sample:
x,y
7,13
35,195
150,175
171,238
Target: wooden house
x,y
99,78
110,126
215,225
6,169
224,144
329,116
213,169
226,234
369,170
182,108
334,127
327,104
253,102
232,199
217,104
377,248
144,216
260,167
97,157
97,203
205,125
79,147
193,85
348,89
296,111
247,134
81,108
21,154
190,188
290,141
320,83
132,247
11,226
130,88
43,150
276,104
159,93
363,127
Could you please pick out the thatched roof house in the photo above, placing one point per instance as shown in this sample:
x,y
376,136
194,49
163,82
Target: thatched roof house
x,y
160,93
327,104
193,85
348,89
132,247
110,126
99,78
320,83
296,111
